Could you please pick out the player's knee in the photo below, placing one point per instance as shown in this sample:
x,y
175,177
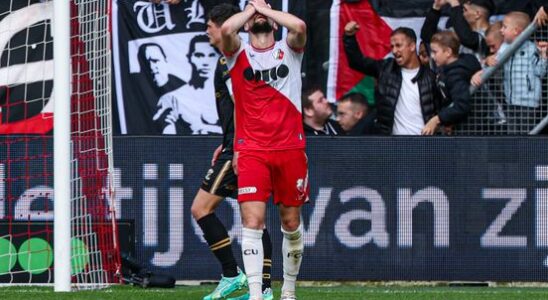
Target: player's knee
x,y
199,211
291,224
293,235
253,223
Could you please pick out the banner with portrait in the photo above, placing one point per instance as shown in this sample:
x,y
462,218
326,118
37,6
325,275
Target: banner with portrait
x,y
164,66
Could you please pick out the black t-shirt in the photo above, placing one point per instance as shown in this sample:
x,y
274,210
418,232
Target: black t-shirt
x,y
224,103
330,128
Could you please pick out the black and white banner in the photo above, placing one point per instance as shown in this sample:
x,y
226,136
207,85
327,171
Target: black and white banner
x,y
164,66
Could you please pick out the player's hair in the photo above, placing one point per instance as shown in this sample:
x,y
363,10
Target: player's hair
x,y
358,100
222,12
305,101
519,19
408,32
447,39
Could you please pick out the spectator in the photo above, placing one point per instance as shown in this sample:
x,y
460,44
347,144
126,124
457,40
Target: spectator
x,y
470,21
522,73
406,93
493,37
354,115
492,89
542,15
453,80
424,55
317,114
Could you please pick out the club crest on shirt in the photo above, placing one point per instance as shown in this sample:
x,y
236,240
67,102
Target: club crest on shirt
x,y
278,54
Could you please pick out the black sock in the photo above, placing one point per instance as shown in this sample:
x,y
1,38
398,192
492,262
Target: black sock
x,y
267,263
219,243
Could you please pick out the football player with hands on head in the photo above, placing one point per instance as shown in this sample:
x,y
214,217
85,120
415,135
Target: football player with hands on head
x,y
270,140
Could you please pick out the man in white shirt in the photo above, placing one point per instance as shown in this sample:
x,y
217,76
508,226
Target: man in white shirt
x,y
407,96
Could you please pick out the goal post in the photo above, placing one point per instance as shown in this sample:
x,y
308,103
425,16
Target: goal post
x,y
57,219
62,144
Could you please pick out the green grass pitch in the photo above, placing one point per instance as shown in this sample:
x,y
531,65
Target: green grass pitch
x,y
346,292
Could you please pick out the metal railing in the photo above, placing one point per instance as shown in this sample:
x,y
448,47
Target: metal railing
x,y
497,107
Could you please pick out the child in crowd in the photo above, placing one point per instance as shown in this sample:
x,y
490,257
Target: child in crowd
x,y
453,80
524,70
494,38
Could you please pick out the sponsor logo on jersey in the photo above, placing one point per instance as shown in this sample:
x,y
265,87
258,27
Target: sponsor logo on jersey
x,y
247,190
281,71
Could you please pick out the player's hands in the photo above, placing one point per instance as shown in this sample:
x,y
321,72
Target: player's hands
x,y
431,127
542,47
216,154
351,28
259,5
250,8
235,162
476,79
541,18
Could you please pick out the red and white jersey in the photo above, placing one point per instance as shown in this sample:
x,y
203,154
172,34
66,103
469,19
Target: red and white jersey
x,y
267,92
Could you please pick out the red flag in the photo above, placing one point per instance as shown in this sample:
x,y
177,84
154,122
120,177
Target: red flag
x,y
374,40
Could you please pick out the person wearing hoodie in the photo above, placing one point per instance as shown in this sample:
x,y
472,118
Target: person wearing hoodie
x,y
453,80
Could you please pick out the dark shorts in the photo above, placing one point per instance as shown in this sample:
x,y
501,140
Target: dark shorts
x,y
220,179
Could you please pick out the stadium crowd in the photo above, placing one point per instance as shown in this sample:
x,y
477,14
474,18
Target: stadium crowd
x,y
423,88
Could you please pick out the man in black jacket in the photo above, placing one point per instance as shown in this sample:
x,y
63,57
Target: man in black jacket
x,y
406,91
355,115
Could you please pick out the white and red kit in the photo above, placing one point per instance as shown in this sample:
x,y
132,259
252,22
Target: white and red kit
x,y
269,133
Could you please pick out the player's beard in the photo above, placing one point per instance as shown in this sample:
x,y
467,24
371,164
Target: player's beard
x,y
261,27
